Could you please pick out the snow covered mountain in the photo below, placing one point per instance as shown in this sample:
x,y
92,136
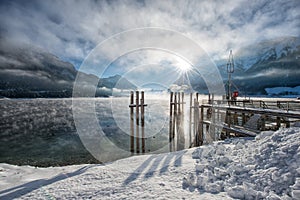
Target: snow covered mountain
x,y
279,49
27,71
271,63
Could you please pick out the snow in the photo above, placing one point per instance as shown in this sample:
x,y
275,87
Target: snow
x,y
143,177
283,90
263,51
267,167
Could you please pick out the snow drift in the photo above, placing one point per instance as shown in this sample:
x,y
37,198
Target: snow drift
x,y
265,168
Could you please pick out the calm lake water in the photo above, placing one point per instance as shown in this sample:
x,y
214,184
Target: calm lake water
x,y
42,132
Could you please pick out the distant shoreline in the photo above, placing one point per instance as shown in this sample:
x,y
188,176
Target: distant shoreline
x,y
241,97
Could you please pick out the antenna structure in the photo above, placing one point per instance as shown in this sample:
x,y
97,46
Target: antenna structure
x,y
230,70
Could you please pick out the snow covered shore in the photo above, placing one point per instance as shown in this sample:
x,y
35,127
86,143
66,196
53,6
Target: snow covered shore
x,y
267,167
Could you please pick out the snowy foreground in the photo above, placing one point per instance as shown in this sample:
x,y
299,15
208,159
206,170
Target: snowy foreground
x,y
267,167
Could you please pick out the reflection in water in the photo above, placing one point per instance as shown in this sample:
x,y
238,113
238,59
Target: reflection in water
x,y
42,132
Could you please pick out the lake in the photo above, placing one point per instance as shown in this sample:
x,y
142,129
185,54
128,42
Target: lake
x,y
42,132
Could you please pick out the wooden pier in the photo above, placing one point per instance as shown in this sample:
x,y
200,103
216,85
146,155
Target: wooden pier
x,y
220,119
210,120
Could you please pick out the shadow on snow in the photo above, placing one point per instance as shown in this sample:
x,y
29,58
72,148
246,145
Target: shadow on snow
x,y
165,160
26,188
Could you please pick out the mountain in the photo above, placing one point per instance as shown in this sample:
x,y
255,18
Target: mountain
x,y
280,49
268,64
258,68
116,81
27,72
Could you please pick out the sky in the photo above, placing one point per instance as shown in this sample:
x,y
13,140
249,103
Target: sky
x,y
71,29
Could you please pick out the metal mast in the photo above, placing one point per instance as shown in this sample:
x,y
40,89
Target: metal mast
x,y
230,70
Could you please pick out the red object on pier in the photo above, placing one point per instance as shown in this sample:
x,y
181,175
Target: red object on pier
x,y
235,94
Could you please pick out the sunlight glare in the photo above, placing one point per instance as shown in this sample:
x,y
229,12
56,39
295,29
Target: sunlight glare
x,y
183,66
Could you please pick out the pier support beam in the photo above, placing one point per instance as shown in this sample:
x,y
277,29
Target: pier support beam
x,y
135,138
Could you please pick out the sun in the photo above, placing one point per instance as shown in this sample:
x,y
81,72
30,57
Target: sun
x,y
183,66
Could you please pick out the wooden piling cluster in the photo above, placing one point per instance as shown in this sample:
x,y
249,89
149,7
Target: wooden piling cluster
x,y
211,120
221,119
139,106
245,121
195,125
176,123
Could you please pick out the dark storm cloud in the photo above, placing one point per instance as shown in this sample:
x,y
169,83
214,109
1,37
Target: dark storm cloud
x,y
70,28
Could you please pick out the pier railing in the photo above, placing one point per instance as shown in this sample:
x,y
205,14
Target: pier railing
x,y
220,119
199,122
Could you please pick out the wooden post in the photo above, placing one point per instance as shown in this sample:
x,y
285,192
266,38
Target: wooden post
x,y
181,118
190,120
208,117
212,128
235,118
263,123
218,122
171,121
174,121
201,125
243,119
182,101
196,122
137,123
287,124
260,104
228,114
143,121
278,122
131,123
178,122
